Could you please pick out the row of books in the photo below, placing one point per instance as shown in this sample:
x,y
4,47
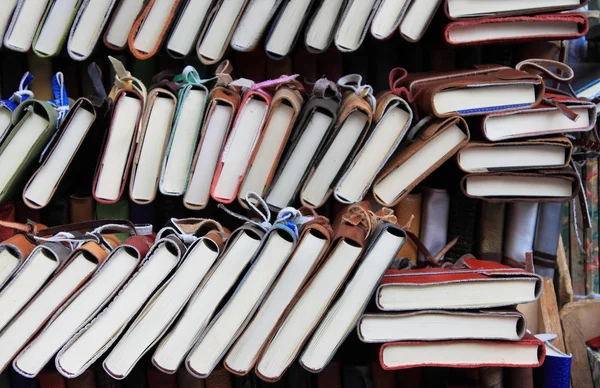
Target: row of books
x,y
242,137
212,26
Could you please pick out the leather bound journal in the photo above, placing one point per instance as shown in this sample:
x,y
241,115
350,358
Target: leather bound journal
x,y
87,27
470,9
150,28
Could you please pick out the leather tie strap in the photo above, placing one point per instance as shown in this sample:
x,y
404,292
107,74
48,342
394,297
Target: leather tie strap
x,y
430,260
395,79
25,228
325,88
95,74
124,80
20,95
353,82
223,73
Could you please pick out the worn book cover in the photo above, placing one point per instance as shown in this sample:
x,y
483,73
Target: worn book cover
x,y
591,234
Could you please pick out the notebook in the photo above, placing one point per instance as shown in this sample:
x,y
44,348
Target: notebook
x,y
253,24
13,252
52,32
354,24
25,20
187,26
417,19
87,27
460,9
286,28
5,16
322,25
150,27
388,17
121,22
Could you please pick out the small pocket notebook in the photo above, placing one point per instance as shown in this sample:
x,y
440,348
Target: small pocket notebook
x,y
253,24
218,30
388,17
530,186
152,140
434,142
104,284
177,162
14,251
74,272
87,27
26,18
52,32
545,119
441,325
121,22
322,25
528,352
284,111
534,154
32,125
474,285
354,24
469,9
311,303
148,31
187,26
516,29
286,28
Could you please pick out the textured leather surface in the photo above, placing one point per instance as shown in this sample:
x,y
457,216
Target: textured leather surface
x,y
434,220
82,208
407,208
521,220
356,377
7,213
382,378
547,233
491,231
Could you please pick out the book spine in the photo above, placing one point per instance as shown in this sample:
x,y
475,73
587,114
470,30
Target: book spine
x,y
591,235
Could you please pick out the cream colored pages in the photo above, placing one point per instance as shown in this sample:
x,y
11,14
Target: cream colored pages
x,y
320,30
155,141
184,139
87,31
386,17
518,186
55,26
8,263
471,8
6,11
116,152
417,17
25,25
20,145
394,184
5,117
156,21
47,178
353,24
252,23
509,30
483,158
122,22
216,38
483,97
370,158
282,37
188,26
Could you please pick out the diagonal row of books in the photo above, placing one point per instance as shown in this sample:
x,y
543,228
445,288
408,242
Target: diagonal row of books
x,y
253,297
211,26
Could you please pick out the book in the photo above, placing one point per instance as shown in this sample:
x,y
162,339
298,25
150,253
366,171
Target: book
x,y
528,352
119,27
5,16
388,17
306,258
24,23
253,24
87,27
547,235
220,113
283,113
442,325
531,154
437,142
52,32
215,38
233,164
435,216
150,28
311,303
224,329
163,308
117,156
241,248
13,252
392,119
556,369
153,137
187,27
472,287
78,267
286,27
342,317
459,9
44,182
83,305
94,339
417,19
515,29
354,24
322,25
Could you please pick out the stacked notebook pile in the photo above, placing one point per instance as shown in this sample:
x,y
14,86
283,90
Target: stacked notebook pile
x,y
462,316
178,27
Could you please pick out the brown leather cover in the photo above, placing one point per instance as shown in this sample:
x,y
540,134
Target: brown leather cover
x,y
284,96
219,378
152,97
218,96
186,380
136,27
491,231
81,208
580,323
142,244
505,76
110,23
566,174
408,212
562,142
523,12
120,94
437,127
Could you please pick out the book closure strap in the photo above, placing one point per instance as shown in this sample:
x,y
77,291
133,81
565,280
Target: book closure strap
x,y
125,81
353,82
327,89
20,95
395,79
61,104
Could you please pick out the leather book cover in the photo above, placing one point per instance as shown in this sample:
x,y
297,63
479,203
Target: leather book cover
x,y
86,380
185,379
435,213
219,378
141,19
51,379
81,208
157,379
408,213
383,378
7,214
462,220
56,212
520,224
555,372
547,234
490,231
356,376
453,32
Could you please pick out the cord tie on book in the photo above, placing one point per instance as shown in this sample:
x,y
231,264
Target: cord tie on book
x,y
124,80
395,79
357,215
223,73
73,241
247,85
258,206
565,110
385,214
292,218
353,82
20,95
25,228
61,100
325,88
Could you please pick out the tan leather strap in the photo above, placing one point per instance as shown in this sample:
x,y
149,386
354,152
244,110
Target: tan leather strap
x,y
430,260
